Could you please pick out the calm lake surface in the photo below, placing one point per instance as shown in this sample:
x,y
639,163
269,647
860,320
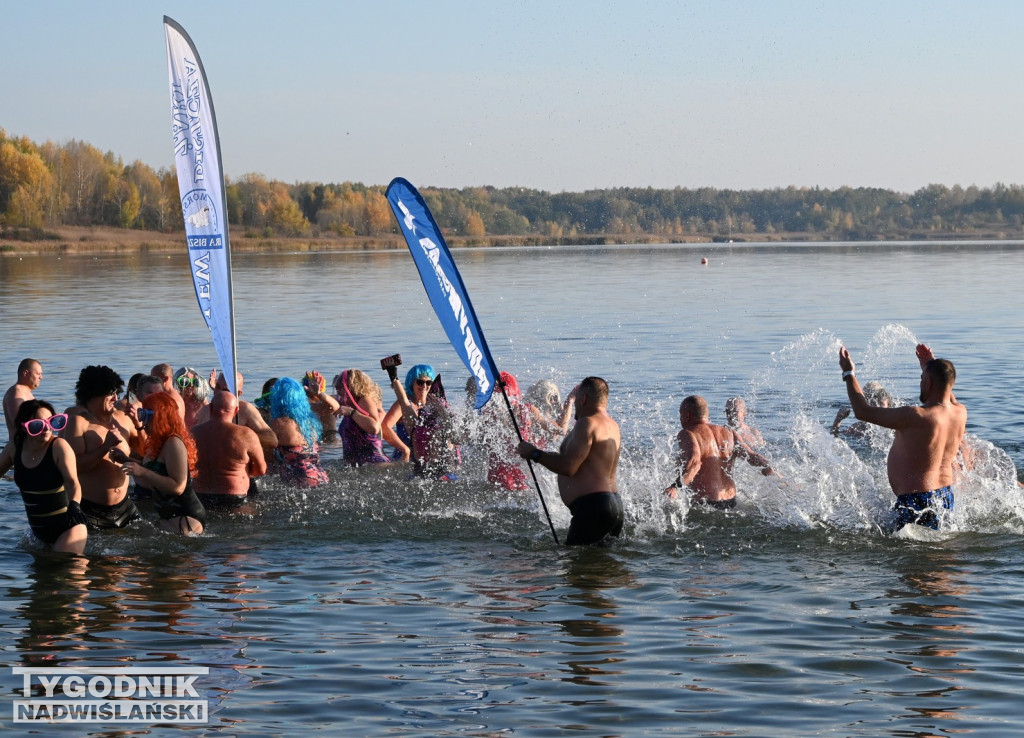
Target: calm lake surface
x,y
389,606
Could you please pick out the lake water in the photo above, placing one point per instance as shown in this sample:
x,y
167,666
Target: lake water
x,y
389,606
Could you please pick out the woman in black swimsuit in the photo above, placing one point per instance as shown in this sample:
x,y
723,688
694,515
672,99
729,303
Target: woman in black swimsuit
x,y
167,467
45,472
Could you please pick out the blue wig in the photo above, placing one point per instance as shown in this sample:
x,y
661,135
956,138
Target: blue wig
x,y
288,400
415,372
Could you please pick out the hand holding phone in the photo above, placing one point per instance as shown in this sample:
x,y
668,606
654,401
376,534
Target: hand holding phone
x,y
390,364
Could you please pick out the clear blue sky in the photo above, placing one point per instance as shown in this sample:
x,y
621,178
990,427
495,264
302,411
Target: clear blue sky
x,y
549,95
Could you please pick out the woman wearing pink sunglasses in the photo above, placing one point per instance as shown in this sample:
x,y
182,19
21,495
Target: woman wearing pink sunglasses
x,y
45,472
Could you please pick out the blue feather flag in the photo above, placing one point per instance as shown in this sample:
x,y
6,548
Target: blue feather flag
x,y
443,284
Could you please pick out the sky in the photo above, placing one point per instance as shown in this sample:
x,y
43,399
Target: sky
x,y
556,96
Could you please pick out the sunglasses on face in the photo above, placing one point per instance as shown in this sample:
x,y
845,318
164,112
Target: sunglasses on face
x,y
36,426
186,381
424,382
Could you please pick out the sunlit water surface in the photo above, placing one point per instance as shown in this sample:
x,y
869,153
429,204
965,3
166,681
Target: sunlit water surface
x,y
384,605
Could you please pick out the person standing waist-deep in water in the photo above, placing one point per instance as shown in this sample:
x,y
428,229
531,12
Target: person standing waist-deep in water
x,y
45,472
167,468
102,438
586,463
707,453
927,437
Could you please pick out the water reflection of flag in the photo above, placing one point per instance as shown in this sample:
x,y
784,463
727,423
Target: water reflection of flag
x,y
443,284
201,186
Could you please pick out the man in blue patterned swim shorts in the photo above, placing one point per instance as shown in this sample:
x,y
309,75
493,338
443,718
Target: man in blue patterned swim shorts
x,y
927,438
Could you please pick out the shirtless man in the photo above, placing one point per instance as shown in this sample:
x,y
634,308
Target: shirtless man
x,y
736,417
586,463
166,374
230,455
926,438
707,453
99,434
248,415
30,374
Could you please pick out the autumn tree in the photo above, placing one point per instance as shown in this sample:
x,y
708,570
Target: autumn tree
x,y
25,183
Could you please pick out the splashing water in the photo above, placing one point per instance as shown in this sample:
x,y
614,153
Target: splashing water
x,y
835,484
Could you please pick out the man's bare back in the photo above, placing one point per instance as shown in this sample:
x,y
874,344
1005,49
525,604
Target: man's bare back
x,y
925,447
599,435
928,436
707,453
229,454
712,447
586,464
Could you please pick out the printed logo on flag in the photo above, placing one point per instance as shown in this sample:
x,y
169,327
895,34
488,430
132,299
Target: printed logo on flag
x,y
203,227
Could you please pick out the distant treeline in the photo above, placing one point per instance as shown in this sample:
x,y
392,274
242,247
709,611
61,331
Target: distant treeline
x,y
75,184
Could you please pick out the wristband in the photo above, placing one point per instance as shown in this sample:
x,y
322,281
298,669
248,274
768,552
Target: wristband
x,y
847,375
535,454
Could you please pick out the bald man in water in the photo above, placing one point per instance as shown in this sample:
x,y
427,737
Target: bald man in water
x,y
707,453
30,375
230,455
586,464
248,414
736,417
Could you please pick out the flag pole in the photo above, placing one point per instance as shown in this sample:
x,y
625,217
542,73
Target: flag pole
x,y
529,463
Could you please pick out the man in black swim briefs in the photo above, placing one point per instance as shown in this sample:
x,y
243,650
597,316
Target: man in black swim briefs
x,y
586,463
926,440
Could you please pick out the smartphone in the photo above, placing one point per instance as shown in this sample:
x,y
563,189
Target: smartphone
x,y
393,360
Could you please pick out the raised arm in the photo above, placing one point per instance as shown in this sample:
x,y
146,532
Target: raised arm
x,y
888,417
924,355
409,411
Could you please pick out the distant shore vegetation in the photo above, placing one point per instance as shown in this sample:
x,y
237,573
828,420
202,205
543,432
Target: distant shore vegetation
x,y
47,189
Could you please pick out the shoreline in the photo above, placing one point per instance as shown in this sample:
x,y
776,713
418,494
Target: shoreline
x,y
73,240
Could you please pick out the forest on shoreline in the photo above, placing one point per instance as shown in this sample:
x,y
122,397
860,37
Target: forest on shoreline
x,y
73,197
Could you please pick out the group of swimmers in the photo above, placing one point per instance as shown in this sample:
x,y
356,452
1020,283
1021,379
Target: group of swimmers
x,y
186,442
190,444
